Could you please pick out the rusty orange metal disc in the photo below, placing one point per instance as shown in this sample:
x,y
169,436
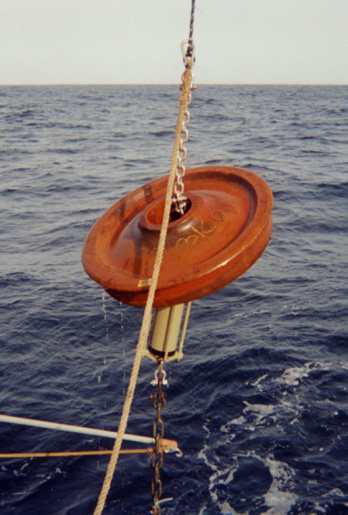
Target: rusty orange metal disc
x,y
225,230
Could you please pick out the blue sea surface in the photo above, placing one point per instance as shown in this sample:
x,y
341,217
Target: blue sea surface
x,y
259,404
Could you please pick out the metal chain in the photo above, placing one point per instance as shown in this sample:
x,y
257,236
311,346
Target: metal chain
x,y
179,201
159,403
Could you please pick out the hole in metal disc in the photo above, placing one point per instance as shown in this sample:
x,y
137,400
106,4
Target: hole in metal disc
x,y
176,215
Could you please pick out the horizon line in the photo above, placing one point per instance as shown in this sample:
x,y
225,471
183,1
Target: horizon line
x,y
171,84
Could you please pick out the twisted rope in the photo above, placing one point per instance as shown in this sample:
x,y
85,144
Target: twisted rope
x,y
145,327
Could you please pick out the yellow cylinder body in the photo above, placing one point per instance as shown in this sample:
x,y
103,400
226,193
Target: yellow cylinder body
x,y
165,331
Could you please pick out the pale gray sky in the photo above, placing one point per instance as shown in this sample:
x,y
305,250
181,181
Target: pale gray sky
x,y
138,41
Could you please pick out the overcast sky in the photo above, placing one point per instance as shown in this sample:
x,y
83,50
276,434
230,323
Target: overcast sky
x,y
138,41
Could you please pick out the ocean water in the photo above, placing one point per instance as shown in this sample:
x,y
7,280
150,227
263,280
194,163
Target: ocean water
x,y
259,404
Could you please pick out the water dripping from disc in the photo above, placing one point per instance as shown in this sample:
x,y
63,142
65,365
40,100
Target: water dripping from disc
x,y
105,318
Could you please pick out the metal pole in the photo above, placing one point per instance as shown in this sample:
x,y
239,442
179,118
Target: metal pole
x,y
82,430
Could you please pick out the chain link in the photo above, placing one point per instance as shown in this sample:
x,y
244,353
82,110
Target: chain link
x,y
159,402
